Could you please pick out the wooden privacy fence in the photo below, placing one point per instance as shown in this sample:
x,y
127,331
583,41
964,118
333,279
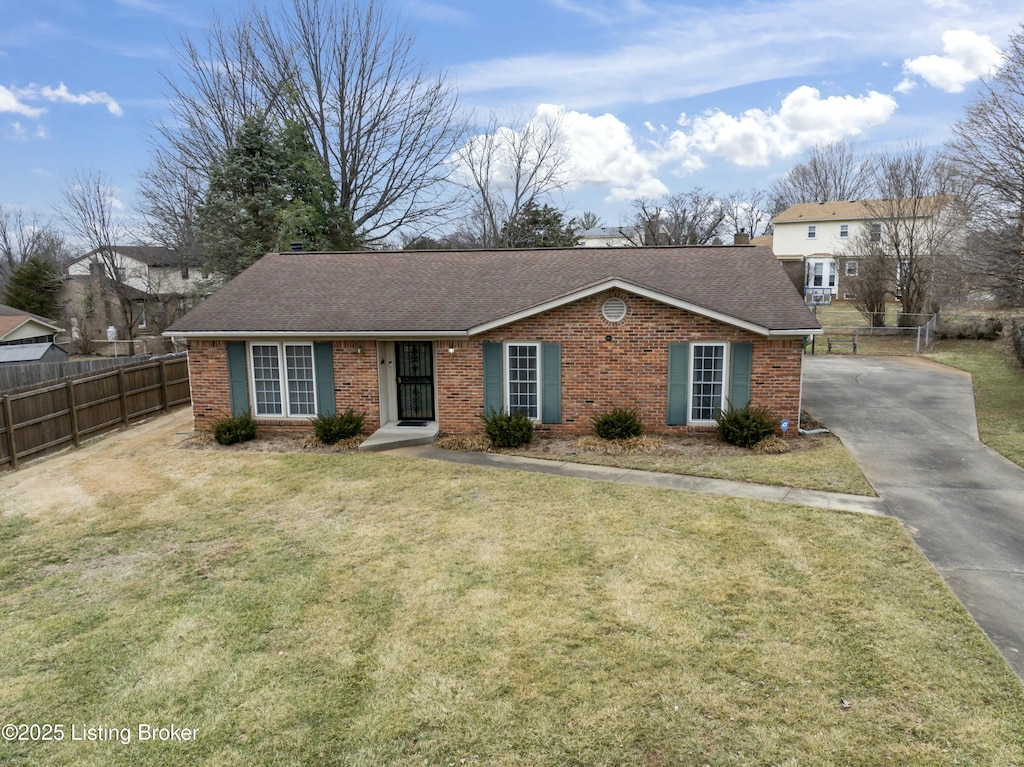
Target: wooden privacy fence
x,y
50,417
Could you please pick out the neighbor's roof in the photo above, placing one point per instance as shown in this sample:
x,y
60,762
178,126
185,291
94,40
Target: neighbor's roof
x,y
467,292
11,319
853,210
150,255
24,352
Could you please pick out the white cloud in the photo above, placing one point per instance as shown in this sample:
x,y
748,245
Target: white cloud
x,y
757,136
16,100
601,151
11,102
967,56
62,94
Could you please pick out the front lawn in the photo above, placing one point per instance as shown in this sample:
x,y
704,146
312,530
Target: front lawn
x,y
998,391
351,609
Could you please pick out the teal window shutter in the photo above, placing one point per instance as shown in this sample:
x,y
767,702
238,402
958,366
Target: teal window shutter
x,y
238,383
323,365
678,383
494,379
551,383
740,365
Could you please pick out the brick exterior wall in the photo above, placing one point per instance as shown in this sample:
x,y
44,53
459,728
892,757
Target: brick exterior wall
x,y
208,379
630,370
355,385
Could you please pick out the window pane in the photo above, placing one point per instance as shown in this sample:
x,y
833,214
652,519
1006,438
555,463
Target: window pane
x,y
266,373
301,388
523,380
708,383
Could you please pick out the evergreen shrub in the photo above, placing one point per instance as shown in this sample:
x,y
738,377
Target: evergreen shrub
x,y
746,426
618,423
508,430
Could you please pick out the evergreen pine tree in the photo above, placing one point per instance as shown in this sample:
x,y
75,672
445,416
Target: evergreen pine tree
x,y
33,287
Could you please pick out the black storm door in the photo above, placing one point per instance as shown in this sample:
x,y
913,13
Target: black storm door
x,y
414,370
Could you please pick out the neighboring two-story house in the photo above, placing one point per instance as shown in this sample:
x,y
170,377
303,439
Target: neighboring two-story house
x,y
820,243
137,290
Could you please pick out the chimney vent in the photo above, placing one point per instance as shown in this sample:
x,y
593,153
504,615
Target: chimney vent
x,y
741,238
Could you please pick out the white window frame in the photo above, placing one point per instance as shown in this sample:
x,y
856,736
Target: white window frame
x,y
852,268
284,389
812,232
875,232
140,322
844,231
691,409
829,273
507,352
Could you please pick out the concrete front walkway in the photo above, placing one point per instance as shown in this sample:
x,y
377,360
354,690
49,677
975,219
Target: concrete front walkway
x,y
910,425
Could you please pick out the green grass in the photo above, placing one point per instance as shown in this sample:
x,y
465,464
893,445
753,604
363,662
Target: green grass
x,y
360,609
998,391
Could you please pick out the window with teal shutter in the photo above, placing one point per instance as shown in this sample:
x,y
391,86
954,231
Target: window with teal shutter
x,y
678,384
494,398
551,383
238,385
323,355
740,365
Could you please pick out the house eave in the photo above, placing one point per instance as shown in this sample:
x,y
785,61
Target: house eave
x,y
239,335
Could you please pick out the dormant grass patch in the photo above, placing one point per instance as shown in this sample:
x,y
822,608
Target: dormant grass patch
x,y
357,609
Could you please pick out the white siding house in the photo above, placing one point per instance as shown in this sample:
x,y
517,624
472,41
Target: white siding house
x,y
817,241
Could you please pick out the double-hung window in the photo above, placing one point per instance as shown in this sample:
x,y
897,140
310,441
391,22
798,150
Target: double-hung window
x,y
283,379
523,379
812,232
707,384
844,231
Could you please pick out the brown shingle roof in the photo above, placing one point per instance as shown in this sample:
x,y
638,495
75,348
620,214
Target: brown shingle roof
x,y
459,291
855,210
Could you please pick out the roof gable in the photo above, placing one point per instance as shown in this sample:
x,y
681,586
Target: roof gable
x,y
12,319
464,292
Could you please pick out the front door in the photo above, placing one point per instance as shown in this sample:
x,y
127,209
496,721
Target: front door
x,y
414,374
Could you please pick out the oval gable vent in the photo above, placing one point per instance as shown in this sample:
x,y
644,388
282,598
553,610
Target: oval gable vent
x,y
614,309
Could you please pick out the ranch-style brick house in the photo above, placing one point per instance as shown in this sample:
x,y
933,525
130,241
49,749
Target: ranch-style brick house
x,y
441,337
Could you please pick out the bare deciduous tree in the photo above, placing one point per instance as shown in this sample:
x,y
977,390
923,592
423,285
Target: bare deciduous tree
x,y
910,248
382,123
24,236
747,212
695,217
835,171
987,150
89,214
506,170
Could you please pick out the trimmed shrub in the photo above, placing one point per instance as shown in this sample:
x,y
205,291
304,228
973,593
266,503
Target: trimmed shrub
x,y
618,423
231,431
508,430
971,329
330,429
745,427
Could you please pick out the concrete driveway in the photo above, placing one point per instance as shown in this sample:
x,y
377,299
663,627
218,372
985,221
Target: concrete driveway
x,y
910,425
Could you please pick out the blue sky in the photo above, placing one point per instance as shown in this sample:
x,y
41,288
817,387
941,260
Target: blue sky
x,y
655,97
